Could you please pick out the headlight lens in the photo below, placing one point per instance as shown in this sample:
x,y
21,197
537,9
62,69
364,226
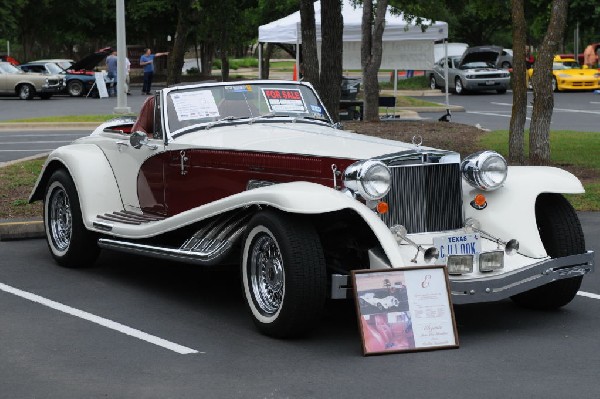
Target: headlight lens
x,y
371,179
485,170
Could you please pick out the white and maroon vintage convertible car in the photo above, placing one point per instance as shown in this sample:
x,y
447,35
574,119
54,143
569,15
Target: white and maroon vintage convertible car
x,y
254,172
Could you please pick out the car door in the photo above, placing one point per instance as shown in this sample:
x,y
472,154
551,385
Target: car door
x,y
439,72
3,81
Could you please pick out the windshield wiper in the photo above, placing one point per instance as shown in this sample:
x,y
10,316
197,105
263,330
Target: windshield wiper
x,y
266,116
224,119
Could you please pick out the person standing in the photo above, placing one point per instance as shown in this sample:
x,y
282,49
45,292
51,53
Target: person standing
x,y
147,61
127,69
111,66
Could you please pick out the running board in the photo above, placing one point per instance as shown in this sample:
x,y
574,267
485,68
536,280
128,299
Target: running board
x,y
174,254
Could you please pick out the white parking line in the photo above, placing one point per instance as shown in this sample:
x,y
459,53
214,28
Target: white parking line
x,y
36,142
99,320
493,114
588,295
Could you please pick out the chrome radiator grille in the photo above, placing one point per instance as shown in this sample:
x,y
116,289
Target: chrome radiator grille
x,y
425,198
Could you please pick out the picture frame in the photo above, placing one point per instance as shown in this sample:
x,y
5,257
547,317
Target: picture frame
x,y
404,310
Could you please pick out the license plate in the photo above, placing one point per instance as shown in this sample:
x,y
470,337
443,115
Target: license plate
x,y
459,244
490,82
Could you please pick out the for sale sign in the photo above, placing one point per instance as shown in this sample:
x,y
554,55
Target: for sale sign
x,y
284,100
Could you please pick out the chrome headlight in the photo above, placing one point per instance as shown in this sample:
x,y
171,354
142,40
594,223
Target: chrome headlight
x,y
371,179
485,170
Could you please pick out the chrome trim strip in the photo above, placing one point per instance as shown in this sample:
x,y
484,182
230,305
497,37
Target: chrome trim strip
x,y
505,285
204,258
500,286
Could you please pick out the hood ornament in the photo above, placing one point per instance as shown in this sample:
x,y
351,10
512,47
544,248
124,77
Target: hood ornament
x,y
417,140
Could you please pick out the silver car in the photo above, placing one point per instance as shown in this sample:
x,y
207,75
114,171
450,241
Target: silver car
x,y
15,82
475,71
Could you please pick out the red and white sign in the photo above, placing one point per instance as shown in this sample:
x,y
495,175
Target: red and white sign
x,y
284,100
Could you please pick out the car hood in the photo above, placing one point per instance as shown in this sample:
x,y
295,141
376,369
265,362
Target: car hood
x,y
91,61
487,54
296,138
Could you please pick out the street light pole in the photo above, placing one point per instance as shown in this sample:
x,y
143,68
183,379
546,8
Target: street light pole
x,y
121,107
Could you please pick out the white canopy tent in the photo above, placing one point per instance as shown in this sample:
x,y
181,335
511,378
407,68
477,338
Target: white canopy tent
x,y
405,46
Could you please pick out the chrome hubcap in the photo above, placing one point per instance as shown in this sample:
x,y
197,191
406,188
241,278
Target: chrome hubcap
x,y
60,219
267,277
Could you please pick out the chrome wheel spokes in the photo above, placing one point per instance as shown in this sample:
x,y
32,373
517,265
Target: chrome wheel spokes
x,y
60,219
266,274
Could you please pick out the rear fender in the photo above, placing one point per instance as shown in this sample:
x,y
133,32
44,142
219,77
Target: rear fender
x,y
92,175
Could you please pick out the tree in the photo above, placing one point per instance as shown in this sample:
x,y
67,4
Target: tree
x,y
186,10
327,79
330,82
519,85
373,23
543,98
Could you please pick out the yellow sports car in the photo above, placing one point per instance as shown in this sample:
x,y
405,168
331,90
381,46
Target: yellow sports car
x,y
569,75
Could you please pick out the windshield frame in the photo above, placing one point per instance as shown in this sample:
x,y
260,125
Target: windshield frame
x,y
221,120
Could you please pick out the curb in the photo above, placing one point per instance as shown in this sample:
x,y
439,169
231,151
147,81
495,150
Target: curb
x,y
20,229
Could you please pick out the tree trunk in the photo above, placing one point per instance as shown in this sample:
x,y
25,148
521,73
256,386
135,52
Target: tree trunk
x,y
310,62
516,151
543,98
266,59
371,53
330,82
177,53
224,65
207,52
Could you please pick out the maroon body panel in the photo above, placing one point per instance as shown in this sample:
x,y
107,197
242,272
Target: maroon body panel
x,y
210,175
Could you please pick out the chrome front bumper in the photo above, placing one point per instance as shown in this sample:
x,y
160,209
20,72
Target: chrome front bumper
x,y
500,286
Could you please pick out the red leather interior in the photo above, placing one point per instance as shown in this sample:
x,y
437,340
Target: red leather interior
x,y
145,120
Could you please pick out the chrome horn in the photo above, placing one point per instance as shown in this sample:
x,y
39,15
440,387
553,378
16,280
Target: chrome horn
x,y
511,246
401,234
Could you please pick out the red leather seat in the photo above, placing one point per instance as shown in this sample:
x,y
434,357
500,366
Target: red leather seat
x,y
145,120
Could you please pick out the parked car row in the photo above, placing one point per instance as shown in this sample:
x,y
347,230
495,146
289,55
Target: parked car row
x,y
477,69
47,77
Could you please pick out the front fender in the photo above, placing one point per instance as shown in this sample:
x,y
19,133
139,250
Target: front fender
x,y
510,211
92,175
297,197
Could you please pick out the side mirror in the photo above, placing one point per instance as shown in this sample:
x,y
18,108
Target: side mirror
x,y
138,139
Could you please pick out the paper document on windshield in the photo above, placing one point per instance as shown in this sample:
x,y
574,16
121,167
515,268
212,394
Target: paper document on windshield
x,y
195,105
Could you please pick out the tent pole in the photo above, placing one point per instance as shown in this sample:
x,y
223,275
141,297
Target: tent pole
x,y
446,75
395,89
260,60
298,50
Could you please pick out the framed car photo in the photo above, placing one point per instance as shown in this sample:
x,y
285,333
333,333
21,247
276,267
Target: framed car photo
x,y
403,310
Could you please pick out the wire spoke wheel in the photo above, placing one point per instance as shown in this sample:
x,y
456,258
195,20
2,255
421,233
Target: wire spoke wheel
x,y
60,219
267,274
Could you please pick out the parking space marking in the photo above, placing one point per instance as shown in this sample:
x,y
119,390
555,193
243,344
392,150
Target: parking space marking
x,y
113,325
36,142
588,295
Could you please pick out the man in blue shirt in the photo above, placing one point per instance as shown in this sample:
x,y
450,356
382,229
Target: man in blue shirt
x,y
147,61
111,66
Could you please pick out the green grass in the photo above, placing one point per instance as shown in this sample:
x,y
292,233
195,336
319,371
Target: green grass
x,y
566,147
17,182
237,63
415,83
68,118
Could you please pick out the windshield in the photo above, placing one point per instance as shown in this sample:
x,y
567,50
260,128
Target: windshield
x,y
565,65
203,106
9,68
476,64
53,68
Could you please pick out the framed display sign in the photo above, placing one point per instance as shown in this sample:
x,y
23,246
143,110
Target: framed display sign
x,y
401,310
